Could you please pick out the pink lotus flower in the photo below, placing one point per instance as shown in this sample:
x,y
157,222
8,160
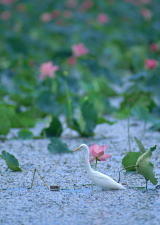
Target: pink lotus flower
x,y
154,47
97,153
46,17
145,1
138,2
55,14
47,70
60,22
21,7
5,15
151,63
146,13
72,60
87,4
79,50
102,18
6,2
71,3
67,14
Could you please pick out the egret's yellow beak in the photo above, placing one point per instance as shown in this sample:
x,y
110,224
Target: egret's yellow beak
x,y
76,149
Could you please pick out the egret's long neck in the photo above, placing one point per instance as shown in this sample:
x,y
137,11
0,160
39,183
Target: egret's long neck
x,y
87,163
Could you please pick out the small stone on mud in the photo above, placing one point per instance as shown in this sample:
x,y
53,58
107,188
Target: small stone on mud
x,y
54,188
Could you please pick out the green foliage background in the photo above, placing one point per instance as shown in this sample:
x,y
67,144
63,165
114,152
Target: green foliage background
x,y
114,66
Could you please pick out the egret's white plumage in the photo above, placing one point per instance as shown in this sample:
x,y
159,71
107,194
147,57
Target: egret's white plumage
x,y
100,179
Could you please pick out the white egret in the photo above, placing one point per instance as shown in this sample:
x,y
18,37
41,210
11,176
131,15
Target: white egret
x,y
100,179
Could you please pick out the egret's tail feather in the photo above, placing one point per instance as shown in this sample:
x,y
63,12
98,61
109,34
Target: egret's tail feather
x,y
120,186
117,186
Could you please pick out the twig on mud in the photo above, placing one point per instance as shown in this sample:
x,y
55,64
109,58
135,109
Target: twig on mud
x,y
42,178
33,178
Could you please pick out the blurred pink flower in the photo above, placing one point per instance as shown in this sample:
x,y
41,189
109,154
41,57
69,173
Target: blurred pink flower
x,y
6,2
47,69
55,14
5,15
102,18
21,7
145,1
46,17
146,13
87,4
72,60
138,2
67,14
151,63
134,2
31,62
71,3
60,22
79,50
97,153
154,47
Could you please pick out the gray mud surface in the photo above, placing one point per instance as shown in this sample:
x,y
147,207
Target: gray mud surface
x,y
77,202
